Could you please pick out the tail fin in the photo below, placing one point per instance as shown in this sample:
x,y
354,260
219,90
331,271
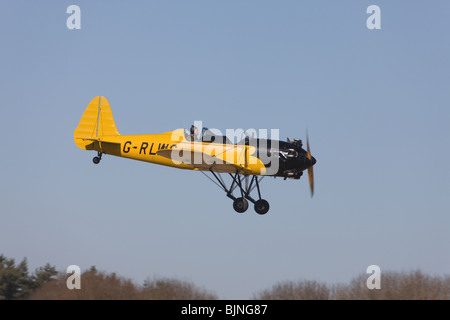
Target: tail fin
x,y
97,121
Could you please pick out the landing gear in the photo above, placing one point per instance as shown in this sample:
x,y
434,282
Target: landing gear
x,y
240,204
97,159
261,206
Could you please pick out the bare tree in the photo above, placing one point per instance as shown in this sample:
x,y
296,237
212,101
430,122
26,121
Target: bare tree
x,y
413,285
173,289
94,286
301,290
97,285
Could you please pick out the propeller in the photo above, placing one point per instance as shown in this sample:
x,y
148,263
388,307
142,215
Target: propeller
x,y
310,169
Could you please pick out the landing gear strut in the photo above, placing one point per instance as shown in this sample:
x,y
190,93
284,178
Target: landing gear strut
x,y
240,204
97,159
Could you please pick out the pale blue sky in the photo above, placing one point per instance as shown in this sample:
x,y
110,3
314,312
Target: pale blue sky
x,y
375,103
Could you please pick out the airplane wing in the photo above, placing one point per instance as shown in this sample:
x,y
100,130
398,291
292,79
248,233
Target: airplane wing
x,y
205,160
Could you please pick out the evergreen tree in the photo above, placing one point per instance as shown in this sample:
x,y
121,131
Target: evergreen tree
x,y
43,275
15,282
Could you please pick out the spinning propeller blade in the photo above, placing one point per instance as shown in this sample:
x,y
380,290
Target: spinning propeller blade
x,y
310,169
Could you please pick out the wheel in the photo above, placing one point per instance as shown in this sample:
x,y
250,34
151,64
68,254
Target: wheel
x,y
240,205
261,206
96,160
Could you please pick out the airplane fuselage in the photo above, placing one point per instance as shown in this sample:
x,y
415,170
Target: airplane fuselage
x,y
265,157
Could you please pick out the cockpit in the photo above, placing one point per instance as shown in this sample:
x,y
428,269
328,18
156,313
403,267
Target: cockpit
x,y
206,135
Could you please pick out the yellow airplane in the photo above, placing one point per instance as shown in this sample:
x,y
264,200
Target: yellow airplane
x,y
205,152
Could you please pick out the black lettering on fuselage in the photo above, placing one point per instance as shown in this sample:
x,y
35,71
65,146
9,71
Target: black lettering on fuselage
x,y
164,146
150,151
144,146
125,148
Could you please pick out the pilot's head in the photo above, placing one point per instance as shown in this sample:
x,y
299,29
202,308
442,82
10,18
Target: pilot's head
x,y
194,130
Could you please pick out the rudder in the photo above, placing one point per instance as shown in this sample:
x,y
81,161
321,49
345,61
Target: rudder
x,y
97,121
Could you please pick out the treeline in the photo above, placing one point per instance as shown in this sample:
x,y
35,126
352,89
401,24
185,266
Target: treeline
x,y
413,285
45,283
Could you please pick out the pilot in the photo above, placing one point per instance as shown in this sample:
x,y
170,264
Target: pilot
x,y
194,133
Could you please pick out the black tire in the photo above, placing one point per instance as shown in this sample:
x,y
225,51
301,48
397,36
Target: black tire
x,y
261,206
240,205
96,160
